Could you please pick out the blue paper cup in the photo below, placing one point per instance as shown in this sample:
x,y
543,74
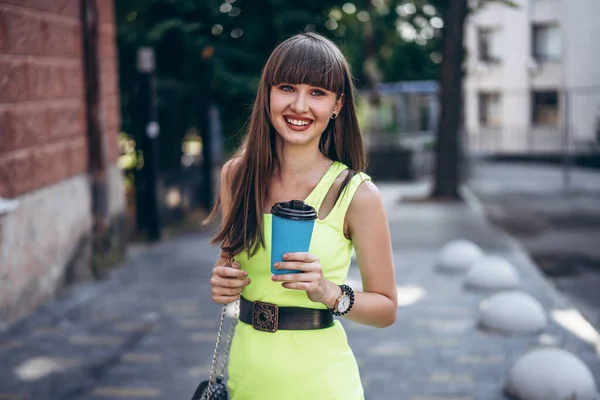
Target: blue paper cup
x,y
292,225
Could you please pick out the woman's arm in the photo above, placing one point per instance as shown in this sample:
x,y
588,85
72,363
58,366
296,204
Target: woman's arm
x,y
369,230
227,281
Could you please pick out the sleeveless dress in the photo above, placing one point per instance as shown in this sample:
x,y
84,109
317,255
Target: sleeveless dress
x,y
298,365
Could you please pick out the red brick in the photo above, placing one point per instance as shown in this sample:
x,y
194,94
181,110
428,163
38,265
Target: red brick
x,y
69,8
107,45
61,39
46,81
24,33
14,2
111,100
78,156
72,78
51,163
63,7
13,81
22,128
112,145
78,42
66,121
111,117
109,78
106,12
2,31
5,189
16,174
6,139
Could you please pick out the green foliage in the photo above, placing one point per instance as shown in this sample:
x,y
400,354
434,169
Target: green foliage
x,y
215,49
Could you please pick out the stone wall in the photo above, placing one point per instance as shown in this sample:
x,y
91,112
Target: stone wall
x,y
49,230
44,147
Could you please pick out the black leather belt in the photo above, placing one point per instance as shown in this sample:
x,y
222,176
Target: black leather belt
x,y
270,317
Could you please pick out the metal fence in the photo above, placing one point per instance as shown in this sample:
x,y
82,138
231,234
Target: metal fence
x,y
536,122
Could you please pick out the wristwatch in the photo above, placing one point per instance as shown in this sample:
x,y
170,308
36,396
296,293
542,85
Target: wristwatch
x,y
344,302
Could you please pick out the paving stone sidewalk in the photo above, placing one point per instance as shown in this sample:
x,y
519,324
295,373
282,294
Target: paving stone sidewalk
x,y
558,225
148,331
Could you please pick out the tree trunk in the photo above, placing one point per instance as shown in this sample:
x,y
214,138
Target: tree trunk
x,y
448,144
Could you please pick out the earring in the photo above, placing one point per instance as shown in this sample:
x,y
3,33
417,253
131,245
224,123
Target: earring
x,y
334,116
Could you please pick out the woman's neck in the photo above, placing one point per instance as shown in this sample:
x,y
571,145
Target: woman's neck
x,y
299,161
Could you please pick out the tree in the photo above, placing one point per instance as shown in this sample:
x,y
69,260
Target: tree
x,y
191,36
448,144
448,148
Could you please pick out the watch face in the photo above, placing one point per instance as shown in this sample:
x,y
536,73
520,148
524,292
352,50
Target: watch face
x,y
344,303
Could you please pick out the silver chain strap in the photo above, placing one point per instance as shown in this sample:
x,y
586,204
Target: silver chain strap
x,y
234,321
213,368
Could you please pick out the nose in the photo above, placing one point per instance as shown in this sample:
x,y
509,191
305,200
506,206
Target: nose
x,y
299,104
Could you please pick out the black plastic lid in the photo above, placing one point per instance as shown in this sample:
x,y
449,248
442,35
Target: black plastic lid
x,y
294,209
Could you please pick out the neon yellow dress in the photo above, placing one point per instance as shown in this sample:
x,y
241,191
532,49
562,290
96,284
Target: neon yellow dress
x,y
298,365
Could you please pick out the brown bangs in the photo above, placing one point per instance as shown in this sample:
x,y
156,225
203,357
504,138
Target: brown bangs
x,y
307,60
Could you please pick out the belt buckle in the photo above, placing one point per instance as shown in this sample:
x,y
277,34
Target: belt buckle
x,y
265,316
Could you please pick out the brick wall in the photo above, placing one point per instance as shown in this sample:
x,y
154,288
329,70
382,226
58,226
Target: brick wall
x,y
46,241
42,104
109,77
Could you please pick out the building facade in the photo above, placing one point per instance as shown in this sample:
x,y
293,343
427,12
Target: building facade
x,y
59,118
533,77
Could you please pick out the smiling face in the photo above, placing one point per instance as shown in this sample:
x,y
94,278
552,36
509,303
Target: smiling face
x,y
300,113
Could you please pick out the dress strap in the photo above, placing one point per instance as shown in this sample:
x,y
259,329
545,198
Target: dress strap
x,y
316,197
338,213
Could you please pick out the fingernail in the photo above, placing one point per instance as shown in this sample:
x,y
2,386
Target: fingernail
x,y
276,265
286,256
273,277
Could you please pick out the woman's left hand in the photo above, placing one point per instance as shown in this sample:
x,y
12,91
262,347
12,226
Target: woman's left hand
x,y
311,280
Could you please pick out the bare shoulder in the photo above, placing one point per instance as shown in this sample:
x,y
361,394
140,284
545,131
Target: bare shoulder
x,y
366,212
227,175
229,169
367,195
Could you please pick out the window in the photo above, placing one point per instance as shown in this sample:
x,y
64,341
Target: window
x,y
544,108
488,45
489,109
546,44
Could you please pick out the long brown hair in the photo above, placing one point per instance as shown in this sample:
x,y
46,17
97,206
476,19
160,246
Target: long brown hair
x,y
306,58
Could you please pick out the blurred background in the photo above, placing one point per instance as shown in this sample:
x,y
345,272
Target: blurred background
x,y
116,117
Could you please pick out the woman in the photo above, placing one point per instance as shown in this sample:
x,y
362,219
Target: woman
x,y
303,143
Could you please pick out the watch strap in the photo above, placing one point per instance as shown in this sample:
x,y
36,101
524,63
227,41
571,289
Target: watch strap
x,y
346,291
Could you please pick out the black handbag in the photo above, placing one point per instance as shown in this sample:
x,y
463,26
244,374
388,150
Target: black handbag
x,y
214,388
218,391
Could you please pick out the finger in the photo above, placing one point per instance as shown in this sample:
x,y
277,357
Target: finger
x,y
225,299
228,282
300,256
303,277
296,285
298,265
223,291
235,265
228,272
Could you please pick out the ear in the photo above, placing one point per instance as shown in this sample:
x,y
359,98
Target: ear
x,y
339,103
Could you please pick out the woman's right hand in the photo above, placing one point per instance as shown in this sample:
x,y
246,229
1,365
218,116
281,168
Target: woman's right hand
x,y
228,282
